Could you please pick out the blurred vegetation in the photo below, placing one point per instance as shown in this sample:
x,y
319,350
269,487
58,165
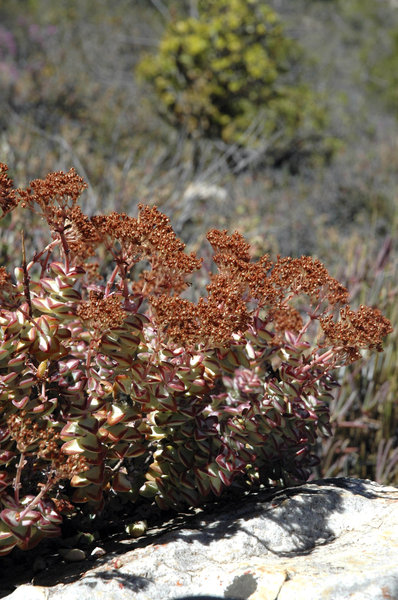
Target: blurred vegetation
x,y
70,97
384,72
231,75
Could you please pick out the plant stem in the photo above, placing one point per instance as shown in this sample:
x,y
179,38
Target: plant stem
x,y
37,499
26,277
17,484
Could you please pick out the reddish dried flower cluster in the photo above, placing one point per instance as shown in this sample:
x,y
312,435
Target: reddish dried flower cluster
x,y
150,237
225,311
307,275
5,277
177,317
80,234
25,431
356,330
212,321
287,318
159,240
44,443
119,227
49,449
66,468
233,260
63,506
55,196
9,296
8,195
102,313
92,271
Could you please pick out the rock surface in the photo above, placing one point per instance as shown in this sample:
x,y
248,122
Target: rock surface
x,y
333,539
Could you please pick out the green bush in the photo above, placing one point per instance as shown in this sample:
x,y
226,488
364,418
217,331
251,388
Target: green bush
x,y
229,75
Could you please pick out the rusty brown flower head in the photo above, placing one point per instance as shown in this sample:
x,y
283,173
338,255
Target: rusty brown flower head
x,y
9,296
80,234
364,328
151,238
102,313
8,195
232,257
307,275
54,196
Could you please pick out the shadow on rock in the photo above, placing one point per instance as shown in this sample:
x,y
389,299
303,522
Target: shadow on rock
x,y
286,522
132,582
292,521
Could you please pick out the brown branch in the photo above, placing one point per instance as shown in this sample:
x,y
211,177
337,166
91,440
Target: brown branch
x,y
26,278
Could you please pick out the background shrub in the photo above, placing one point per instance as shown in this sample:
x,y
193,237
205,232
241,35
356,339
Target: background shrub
x,y
229,75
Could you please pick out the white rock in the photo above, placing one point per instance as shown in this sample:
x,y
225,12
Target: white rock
x,y
30,592
330,540
98,551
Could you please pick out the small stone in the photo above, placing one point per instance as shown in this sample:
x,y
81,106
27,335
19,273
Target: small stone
x,y
85,538
137,528
73,554
97,552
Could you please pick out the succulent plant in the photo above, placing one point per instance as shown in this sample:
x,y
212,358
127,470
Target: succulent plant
x,y
115,383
